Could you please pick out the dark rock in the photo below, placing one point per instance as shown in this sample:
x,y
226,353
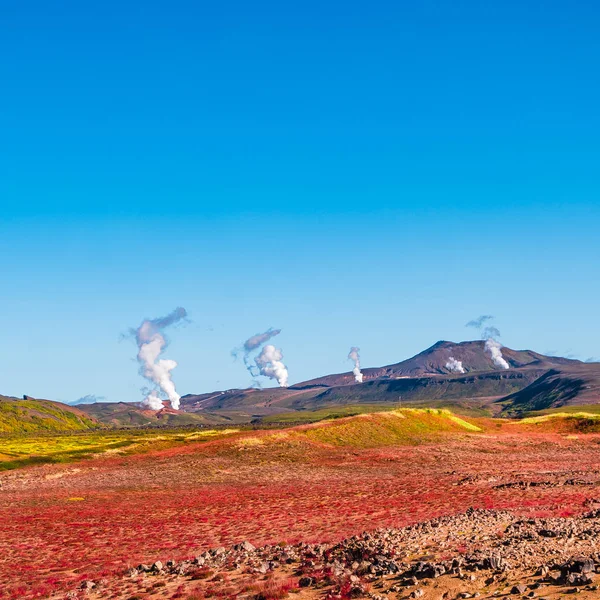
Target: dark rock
x,y
579,579
581,565
549,533
495,563
306,581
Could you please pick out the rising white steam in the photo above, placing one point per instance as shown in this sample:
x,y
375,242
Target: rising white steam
x,y
252,344
489,333
355,356
152,401
269,364
495,350
455,366
268,361
156,370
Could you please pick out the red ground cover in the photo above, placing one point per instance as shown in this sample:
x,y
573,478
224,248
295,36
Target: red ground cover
x,y
178,502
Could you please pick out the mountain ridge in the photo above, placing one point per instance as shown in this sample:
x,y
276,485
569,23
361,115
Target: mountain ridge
x,y
419,380
533,382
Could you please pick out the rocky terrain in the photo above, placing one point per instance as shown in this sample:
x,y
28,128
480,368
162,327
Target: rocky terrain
x,y
480,553
79,527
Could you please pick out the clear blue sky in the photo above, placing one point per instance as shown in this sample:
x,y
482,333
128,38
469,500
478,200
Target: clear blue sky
x,y
355,173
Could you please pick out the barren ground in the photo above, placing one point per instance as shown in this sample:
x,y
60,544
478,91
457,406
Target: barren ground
x,y
94,520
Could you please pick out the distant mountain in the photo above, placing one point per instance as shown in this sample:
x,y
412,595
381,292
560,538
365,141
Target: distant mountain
x,y
533,382
423,380
88,399
434,360
128,414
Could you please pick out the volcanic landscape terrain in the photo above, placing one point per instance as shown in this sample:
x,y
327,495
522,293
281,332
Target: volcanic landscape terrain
x,y
532,382
327,489
179,502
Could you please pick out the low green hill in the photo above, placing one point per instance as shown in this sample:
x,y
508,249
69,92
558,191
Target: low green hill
x,y
31,415
398,427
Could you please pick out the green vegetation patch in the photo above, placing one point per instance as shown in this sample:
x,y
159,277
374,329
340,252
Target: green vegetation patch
x,y
23,416
17,452
351,410
337,412
585,409
405,426
573,422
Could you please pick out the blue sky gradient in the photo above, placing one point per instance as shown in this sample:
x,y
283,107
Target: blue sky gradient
x,y
356,174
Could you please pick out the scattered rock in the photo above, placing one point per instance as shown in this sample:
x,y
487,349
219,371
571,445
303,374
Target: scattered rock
x,y
501,548
306,582
157,566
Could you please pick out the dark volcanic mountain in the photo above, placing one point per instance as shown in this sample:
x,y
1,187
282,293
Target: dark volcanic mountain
x,y
433,362
533,382
423,380
574,385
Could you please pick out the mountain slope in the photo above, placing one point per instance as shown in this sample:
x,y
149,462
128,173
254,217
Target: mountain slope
x,y
125,414
30,415
433,361
423,380
567,386
533,382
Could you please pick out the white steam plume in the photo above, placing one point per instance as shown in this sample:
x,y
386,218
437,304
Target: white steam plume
x,y
495,350
157,371
152,401
489,333
252,344
355,356
269,364
455,366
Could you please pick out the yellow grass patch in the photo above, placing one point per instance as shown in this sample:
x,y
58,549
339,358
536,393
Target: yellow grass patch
x,y
250,442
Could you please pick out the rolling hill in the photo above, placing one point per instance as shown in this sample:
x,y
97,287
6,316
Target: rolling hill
x,y
30,415
126,414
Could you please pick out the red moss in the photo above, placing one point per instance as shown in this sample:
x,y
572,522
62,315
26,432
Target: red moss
x,y
176,503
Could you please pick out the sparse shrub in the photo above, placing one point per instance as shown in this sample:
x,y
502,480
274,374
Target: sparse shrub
x,y
276,589
202,573
179,592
